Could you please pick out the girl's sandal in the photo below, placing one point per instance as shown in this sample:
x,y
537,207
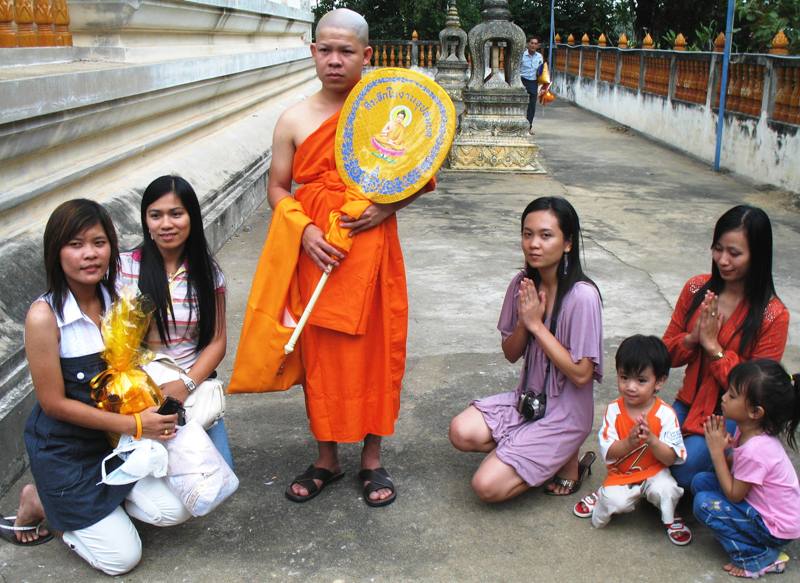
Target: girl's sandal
x,y
572,486
678,533
778,567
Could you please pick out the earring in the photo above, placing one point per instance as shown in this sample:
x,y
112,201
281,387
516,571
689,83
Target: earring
x,y
566,264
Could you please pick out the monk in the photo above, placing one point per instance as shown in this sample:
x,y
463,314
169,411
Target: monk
x,y
353,348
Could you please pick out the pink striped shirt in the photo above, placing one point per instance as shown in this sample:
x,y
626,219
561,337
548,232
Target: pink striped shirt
x,y
183,331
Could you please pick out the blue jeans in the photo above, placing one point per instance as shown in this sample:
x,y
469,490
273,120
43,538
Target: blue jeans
x,y
219,437
697,457
532,86
737,526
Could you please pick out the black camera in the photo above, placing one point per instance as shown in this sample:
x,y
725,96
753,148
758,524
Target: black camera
x,y
532,406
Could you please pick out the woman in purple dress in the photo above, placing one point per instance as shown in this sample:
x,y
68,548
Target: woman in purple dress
x,y
552,317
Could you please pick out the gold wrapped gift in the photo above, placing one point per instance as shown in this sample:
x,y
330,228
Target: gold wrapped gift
x,y
124,387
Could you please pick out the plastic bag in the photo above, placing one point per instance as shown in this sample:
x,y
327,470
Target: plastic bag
x,y
196,472
124,387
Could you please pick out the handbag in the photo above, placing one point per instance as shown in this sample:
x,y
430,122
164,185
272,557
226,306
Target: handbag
x,y
206,404
196,472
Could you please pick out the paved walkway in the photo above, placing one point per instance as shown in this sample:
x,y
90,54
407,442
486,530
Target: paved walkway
x,y
647,213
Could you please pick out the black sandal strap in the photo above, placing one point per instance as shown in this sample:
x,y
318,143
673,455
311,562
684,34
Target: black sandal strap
x,y
306,479
378,479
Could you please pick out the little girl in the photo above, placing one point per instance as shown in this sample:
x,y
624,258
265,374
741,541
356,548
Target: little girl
x,y
753,502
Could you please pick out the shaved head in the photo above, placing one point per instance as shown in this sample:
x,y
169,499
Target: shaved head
x,y
345,19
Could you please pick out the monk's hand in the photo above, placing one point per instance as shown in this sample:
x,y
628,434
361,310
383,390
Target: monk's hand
x,y
373,216
323,254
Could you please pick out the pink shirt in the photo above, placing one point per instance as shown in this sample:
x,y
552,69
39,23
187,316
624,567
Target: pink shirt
x,y
775,494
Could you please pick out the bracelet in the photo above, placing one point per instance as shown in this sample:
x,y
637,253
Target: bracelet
x,y
138,418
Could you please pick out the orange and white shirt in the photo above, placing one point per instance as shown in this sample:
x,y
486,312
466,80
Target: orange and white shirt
x,y
639,464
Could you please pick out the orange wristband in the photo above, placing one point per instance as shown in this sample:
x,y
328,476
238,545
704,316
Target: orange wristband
x,y
138,419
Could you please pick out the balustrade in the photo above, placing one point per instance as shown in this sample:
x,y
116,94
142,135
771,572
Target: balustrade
x,y
589,63
656,75
573,60
691,83
757,84
629,74
404,53
34,23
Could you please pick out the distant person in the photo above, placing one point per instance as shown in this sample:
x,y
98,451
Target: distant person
x,y
720,320
66,434
752,498
551,317
531,68
640,439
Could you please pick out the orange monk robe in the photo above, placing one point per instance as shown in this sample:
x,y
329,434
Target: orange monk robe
x,y
353,347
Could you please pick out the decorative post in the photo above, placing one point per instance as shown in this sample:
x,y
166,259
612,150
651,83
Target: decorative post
x,y
719,43
558,39
451,68
61,20
570,40
493,133
680,42
8,36
43,15
622,43
23,15
647,42
779,44
585,39
415,48
602,41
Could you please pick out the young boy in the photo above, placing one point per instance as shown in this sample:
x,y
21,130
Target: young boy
x,y
639,439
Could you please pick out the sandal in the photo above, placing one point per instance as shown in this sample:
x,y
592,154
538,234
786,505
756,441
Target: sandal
x,y
8,531
572,486
306,480
585,507
678,533
778,567
379,479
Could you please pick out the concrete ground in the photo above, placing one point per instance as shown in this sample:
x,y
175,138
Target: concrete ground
x,y
647,214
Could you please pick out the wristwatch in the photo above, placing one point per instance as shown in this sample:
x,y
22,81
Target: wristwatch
x,y
190,384
718,355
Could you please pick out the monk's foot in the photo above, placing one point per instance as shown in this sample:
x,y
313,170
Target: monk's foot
x,y
727,567
319,479
30,513
378,486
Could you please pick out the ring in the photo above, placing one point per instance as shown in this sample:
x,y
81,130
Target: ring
x,y
166,432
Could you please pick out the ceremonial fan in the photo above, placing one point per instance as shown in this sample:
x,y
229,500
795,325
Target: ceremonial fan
x,y
394,132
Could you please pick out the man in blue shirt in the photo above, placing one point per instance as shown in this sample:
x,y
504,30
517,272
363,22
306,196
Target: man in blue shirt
x,y
531,62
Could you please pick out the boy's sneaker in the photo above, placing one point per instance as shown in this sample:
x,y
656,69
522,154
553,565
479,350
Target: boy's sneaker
x,y
678,533
584,508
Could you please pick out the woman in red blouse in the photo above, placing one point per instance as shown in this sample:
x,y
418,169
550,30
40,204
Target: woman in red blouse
x,y
720,320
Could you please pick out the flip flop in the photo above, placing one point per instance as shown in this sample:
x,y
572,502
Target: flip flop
x,y
379,479
8,530
306,480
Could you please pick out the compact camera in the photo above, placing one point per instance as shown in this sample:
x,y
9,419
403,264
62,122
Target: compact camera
x,y
532,406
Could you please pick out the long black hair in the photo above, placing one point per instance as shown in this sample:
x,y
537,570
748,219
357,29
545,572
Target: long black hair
x,y
203,271
759,287
766,384
570,227
68,220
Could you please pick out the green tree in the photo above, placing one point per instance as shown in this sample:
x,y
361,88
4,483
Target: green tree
x,y
760,20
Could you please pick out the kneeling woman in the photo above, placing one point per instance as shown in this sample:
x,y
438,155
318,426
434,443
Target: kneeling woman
x,y
66,434
174,268
551,316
